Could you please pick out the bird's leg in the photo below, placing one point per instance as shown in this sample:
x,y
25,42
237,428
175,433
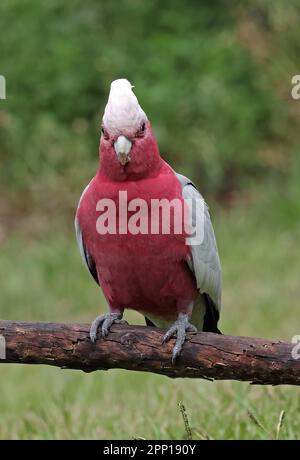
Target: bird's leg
x,y
104,322
179,329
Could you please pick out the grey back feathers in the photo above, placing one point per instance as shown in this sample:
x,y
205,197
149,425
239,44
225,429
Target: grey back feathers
x,y
204,261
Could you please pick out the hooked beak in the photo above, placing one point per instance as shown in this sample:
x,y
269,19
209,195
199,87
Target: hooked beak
x,y
122,148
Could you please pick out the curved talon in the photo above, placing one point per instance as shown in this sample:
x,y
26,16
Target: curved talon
x,y
104,323
179,329
169,334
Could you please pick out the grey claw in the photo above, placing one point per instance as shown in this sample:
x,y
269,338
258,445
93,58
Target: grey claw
x,y
92,337
105,326
170,333
106,320
191,328
179,329
104,332
94,327
175,353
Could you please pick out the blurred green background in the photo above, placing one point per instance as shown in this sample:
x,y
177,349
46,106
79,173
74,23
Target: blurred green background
x,y
215,81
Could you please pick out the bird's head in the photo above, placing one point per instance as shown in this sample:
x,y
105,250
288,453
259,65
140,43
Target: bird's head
x,y
128,148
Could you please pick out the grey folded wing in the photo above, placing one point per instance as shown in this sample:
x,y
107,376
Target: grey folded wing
x,y
204,261
86,256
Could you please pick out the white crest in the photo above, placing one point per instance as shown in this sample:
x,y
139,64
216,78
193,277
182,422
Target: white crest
x,y
123,113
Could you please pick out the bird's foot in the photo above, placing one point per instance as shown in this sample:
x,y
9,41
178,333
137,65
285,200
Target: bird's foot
x,y
179,329
103,323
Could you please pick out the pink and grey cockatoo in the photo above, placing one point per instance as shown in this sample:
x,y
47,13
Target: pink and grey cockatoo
x,y
173,284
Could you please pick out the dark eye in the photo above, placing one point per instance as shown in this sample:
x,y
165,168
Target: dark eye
x,y
141,131
104,133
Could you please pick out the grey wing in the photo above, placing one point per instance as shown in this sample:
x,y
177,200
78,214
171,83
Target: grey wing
x,y
87,258
204,261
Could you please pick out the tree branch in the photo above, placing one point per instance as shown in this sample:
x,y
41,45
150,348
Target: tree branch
x,y
139,348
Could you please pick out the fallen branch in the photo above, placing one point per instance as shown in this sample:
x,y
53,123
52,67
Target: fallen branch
x,y
139,348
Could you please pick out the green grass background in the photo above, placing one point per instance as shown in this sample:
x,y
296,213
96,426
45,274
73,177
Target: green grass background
x,y
215,81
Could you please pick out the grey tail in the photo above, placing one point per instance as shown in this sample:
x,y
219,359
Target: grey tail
x,y
148,322
211,316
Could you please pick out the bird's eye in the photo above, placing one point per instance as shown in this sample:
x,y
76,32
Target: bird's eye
x,y
141,131
104,133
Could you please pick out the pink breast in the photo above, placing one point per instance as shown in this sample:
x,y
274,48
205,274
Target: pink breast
x,y
144,272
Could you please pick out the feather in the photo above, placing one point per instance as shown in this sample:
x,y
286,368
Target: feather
x,y
204,261
87,258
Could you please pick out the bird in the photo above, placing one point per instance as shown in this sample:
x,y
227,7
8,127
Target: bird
x,y
175,283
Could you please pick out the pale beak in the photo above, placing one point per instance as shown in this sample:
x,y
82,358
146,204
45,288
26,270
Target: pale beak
x,y
122,148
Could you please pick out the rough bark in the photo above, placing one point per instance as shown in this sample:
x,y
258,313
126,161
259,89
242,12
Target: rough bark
x,y
139,348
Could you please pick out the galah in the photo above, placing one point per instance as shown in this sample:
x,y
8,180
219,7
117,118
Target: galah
x,y
175,285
